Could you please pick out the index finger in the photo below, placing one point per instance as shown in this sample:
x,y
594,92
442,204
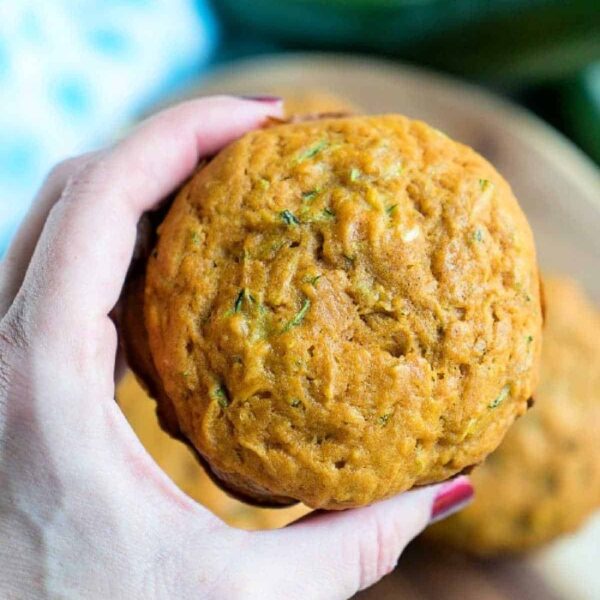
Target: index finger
x,y
82,257
22,246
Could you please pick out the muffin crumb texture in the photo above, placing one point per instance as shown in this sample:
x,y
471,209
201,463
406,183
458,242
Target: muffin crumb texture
x,y
340,310
544,479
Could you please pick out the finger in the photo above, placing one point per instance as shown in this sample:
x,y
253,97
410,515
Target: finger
x,y
21,249
334,555
79,266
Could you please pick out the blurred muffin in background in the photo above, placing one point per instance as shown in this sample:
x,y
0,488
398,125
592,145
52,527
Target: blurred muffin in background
x,y
544,480
178,462
297,101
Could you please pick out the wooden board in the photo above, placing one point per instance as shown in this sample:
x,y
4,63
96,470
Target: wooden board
x,y
425,573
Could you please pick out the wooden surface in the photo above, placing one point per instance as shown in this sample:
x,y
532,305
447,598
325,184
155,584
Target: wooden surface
x,y
425,573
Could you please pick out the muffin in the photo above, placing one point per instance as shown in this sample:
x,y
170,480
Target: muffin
x,y
338,310
544,480
180,464
314,102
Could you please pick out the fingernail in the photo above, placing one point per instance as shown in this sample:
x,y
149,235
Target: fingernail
x,y
453,496
265,99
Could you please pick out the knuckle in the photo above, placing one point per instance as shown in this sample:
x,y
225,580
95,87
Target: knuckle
x,y
67,168
59,173
379,547
84,179
94,182
94,185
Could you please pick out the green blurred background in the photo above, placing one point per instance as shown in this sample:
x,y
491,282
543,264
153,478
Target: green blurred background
x,y
73,73
544,54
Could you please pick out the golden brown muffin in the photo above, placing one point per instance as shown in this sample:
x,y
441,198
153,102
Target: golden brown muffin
x,y
180,464
544,480
314,102
339,310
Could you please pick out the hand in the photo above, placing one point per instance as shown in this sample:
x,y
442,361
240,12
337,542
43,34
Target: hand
x,y
84,511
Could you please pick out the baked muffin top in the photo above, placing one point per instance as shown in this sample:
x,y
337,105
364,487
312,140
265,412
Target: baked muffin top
x,y
180,464
544,479
314,102
339,310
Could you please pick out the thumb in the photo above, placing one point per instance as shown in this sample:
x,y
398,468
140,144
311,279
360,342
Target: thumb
x,y
335,554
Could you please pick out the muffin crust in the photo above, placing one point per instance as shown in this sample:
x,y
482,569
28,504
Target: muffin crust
x,y
544,479
340,310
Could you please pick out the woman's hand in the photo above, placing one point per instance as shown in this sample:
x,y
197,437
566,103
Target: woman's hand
x,y
84,511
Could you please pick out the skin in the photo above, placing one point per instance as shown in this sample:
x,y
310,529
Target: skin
x,y
84,510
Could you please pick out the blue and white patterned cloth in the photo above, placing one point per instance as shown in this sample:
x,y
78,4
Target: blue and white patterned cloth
x,y
72,72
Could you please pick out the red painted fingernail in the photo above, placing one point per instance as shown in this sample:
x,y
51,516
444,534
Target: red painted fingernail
x,y
453,496
266,99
